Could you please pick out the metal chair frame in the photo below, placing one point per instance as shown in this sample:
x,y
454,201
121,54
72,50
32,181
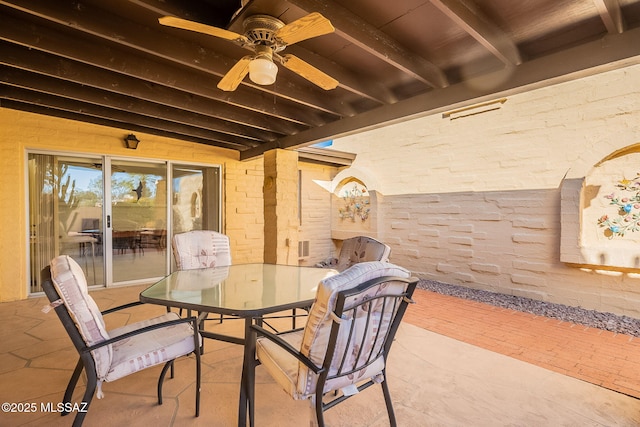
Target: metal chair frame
x,y
87,362
391,303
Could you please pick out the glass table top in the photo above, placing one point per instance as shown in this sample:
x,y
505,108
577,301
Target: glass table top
x,y
241,289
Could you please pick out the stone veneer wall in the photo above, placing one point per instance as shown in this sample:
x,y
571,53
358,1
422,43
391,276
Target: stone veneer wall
x,y
476,200
244,210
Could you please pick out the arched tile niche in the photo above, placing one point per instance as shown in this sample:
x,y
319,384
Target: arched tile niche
x,y
354,206
601,214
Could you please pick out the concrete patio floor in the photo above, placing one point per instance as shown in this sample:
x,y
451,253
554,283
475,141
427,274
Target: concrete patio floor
x,y
435,380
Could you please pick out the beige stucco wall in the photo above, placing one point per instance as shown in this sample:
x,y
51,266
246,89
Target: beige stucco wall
x,y
476,200
21,131
315,215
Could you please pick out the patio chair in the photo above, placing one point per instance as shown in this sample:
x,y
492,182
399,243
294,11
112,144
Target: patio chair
x,y
358,249
201,249
108,356
346,341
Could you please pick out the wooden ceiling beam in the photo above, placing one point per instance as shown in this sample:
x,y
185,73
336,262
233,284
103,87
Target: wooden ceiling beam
x,y
166,84
126,127
164,43
375,42
85,110
200,11
472,20
611,15
605,54
99,97
348,81
44,64
360,85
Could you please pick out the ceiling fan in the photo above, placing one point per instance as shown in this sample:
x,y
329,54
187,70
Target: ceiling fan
x,y
266,36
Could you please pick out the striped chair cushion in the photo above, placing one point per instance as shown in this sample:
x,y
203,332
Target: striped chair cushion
x,y
69,280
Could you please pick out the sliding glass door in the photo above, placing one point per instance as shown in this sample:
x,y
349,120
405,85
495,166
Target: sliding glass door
x,y
115,217
138,220
65,213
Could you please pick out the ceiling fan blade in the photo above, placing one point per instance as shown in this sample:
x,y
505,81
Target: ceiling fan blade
x,y
312,25
234,76
172,21
309,72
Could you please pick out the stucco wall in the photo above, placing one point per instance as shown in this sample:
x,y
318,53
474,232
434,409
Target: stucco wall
x,y
476,200
315,214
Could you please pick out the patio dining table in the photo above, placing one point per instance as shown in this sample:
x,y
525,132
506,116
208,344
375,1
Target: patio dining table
x,y
246,291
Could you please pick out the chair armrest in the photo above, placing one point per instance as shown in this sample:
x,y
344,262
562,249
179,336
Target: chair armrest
x,y
286,346
122,307
193,320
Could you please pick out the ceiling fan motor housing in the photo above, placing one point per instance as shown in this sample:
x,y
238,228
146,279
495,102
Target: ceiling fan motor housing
x,y
261,30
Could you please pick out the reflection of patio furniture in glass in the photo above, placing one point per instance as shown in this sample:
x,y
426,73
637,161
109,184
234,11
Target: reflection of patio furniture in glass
x,y
345,343
107,356
124,240
97,235
84,242
153,238
91,226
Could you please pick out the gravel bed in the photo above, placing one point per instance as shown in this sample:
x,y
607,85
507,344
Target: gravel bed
x,y
595,319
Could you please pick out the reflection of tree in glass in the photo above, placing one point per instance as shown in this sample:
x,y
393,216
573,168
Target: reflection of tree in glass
x,y
123,186
127,208
67,198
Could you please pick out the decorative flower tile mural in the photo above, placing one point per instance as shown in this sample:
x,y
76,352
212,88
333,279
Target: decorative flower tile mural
x,y
624,214
610,213
355,202
353,209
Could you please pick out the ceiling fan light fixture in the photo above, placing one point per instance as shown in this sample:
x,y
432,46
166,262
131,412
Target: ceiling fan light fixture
x,y
262,71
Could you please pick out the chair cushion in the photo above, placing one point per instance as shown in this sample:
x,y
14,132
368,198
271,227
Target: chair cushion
x,y
69,280
318,328
281,365
361,249
201,249
150,348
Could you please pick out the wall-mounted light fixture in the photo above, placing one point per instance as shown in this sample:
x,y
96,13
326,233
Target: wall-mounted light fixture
x,y
131,141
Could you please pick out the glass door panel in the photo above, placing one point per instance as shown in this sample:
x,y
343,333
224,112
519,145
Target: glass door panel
x,y
138,220
65,214
110,215
195,198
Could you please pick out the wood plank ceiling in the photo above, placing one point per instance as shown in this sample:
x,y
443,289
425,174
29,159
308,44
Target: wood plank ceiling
x,y
112,63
